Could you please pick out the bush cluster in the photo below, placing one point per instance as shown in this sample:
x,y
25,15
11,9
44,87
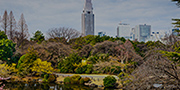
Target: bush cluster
x,y
51,78
109,81
76,79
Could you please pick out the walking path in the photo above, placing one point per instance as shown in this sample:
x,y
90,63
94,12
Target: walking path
x,y
92,76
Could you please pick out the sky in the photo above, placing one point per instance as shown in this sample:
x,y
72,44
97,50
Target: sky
x,y
46,14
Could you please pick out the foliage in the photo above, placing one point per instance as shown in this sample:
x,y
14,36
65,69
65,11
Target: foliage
x,y
125,78
26,62
52,78
75,79
173,56
40,67
81,81
2,35
176,23
81,69
45,79
89,69
108,67
7,48
6,70
98,57
67,80
109,81
86,51
38,37
78,43
67,65
86,80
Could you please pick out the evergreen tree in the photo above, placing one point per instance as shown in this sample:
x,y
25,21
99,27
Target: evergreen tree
x,y
38,37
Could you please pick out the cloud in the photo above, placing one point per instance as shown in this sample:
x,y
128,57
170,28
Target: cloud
x,y
46,14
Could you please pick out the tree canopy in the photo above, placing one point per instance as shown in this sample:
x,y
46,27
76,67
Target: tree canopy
x,y
38,37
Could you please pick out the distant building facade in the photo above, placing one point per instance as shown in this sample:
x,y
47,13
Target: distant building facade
x,y
123,30
88,19
142,32
101,34
132,34
157,36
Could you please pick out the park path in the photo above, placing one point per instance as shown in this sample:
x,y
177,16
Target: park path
x,y
92,76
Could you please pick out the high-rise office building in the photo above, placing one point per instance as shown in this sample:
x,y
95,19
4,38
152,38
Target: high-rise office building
x,y
142,32
123,30
88,19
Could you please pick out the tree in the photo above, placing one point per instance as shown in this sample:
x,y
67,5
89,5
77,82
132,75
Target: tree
x,y
2,35
5,22
23,33
41,67
7,47
26,62
12,26
176,23
67,33
38,37
67,65
109,81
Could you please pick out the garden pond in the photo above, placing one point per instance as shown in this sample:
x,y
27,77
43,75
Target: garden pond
x,y
46,86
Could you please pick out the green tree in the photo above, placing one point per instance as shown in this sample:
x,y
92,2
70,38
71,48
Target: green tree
x,y
67,65
26,62
38,37
2,35
7,47
176,23
109,81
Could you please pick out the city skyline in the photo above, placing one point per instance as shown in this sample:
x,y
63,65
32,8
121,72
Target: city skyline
x,y
44,14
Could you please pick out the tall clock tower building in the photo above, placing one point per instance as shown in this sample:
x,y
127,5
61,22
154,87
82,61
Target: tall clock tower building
x,y
88,19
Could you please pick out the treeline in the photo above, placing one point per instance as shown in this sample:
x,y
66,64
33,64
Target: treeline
x,y
17,32
138,64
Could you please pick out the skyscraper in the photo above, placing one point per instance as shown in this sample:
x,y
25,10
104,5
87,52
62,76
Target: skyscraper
x,y
88,19
142,32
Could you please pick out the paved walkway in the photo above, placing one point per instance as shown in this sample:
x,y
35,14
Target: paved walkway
x,y
92,76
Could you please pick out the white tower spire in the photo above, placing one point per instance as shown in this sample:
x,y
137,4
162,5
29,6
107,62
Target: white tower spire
x,y
87,19
88,6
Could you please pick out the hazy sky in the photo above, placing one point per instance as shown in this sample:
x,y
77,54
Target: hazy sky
x,y
45,14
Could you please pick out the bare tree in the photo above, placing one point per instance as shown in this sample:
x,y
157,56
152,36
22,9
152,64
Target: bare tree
x,y
5,21
62,32
156,69
12,27
23,33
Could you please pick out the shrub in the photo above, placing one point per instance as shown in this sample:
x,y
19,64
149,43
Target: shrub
x,y
86,80
81,81
66,66
45,78
52,78
75,79
67,80
109,81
